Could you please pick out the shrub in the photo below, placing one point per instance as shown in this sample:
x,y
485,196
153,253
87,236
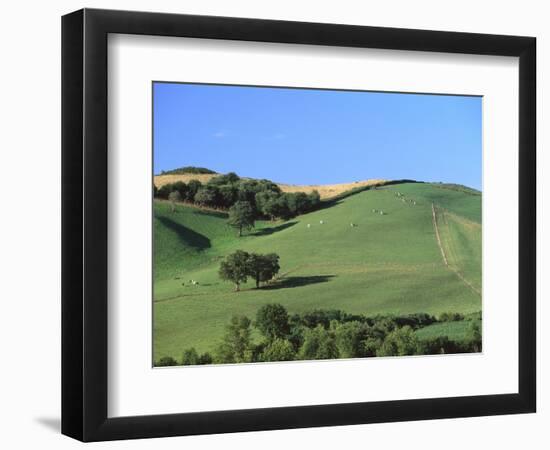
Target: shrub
x,y
205,358
319,343
236,345
190,357
278,350
450,317
166,361
164,191
206,196
400,342
193,187
349,339
272,321
321,317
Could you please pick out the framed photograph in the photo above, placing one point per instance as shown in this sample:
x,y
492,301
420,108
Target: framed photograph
x,y
272,224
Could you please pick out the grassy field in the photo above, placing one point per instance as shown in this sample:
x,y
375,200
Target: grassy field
x,y
388,263
453,330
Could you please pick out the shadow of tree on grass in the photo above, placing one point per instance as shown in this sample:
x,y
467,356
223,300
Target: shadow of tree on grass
x,y
186,235
297,281
275,229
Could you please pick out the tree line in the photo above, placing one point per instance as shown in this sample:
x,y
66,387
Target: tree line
x,y
187,169
326,334
264,198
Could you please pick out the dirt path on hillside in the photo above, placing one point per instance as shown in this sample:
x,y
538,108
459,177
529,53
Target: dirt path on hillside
x,y
444,256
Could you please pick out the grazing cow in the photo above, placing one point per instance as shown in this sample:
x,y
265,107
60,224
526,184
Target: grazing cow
x,y
309,225
321,222
352,224
381,213
374,211
414,203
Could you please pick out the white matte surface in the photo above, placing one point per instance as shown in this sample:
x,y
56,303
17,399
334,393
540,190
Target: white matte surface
x,y
135,388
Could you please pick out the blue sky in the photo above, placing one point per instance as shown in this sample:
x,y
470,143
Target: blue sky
x,y
305,136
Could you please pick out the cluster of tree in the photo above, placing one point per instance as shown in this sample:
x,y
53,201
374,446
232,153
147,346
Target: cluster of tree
x,y
450,317
329,334
240,265
264,198
187,169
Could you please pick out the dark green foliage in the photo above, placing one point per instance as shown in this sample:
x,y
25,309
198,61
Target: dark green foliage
x,y
272,321
225,191
321,317
227,179
227,195
181,187
193,187
265,201
235,268
450,317
278,350
319,343
206,196
164,191
328,334
350,337
400,342
205,358
263,268
415,321
236,345
473,339
187,169
190,357
241,216
166,361
240,265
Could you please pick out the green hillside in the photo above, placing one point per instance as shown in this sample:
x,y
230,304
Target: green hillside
x,y
386,263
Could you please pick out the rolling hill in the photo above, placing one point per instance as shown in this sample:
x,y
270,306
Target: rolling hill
x,y
386,263
325,190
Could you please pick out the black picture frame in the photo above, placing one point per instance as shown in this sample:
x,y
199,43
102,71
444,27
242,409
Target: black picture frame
x,y
84,224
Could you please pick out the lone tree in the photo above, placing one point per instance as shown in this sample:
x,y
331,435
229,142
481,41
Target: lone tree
x,y
241,216
236,344
174,197
235,268
272,321
263,267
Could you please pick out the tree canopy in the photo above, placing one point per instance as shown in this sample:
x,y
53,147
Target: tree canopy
x,y
235,268
241,216
272,321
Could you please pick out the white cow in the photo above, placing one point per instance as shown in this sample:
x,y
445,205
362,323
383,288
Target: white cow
x,y
309,225
321,222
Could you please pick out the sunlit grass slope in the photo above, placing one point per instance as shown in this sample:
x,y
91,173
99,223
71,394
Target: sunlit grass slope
x,y
386,263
